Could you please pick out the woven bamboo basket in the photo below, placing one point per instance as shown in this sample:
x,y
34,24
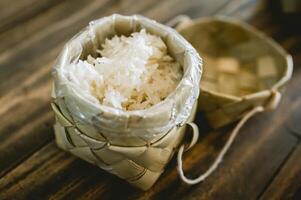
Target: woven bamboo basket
x,y
134,145
244,73
243,68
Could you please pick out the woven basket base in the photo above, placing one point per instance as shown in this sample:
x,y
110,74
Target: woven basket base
x,y
141,166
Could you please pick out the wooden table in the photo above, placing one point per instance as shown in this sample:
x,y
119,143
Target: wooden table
x,y
264,162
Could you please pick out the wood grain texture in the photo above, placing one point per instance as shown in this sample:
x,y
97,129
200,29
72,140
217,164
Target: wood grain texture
x,y
264,161
284,186
13,13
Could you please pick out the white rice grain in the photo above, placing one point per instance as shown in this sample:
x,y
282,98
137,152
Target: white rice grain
x,y
132,73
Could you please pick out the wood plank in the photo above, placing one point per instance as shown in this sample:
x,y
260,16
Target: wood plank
x,y
18,11
33,172
294,125
287,184
26,126
17,34
245,172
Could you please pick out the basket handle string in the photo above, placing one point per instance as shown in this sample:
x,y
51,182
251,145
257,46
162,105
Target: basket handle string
x,y
272,103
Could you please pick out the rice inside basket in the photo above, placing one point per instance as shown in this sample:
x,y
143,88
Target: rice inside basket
x,y
132,73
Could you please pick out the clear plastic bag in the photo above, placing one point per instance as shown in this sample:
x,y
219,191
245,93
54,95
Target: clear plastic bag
x,y
147,123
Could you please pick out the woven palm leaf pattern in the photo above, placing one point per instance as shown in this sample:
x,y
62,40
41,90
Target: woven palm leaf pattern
x,y
242,67
140,162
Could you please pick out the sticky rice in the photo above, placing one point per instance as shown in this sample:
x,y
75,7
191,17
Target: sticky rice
x,y
131,73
